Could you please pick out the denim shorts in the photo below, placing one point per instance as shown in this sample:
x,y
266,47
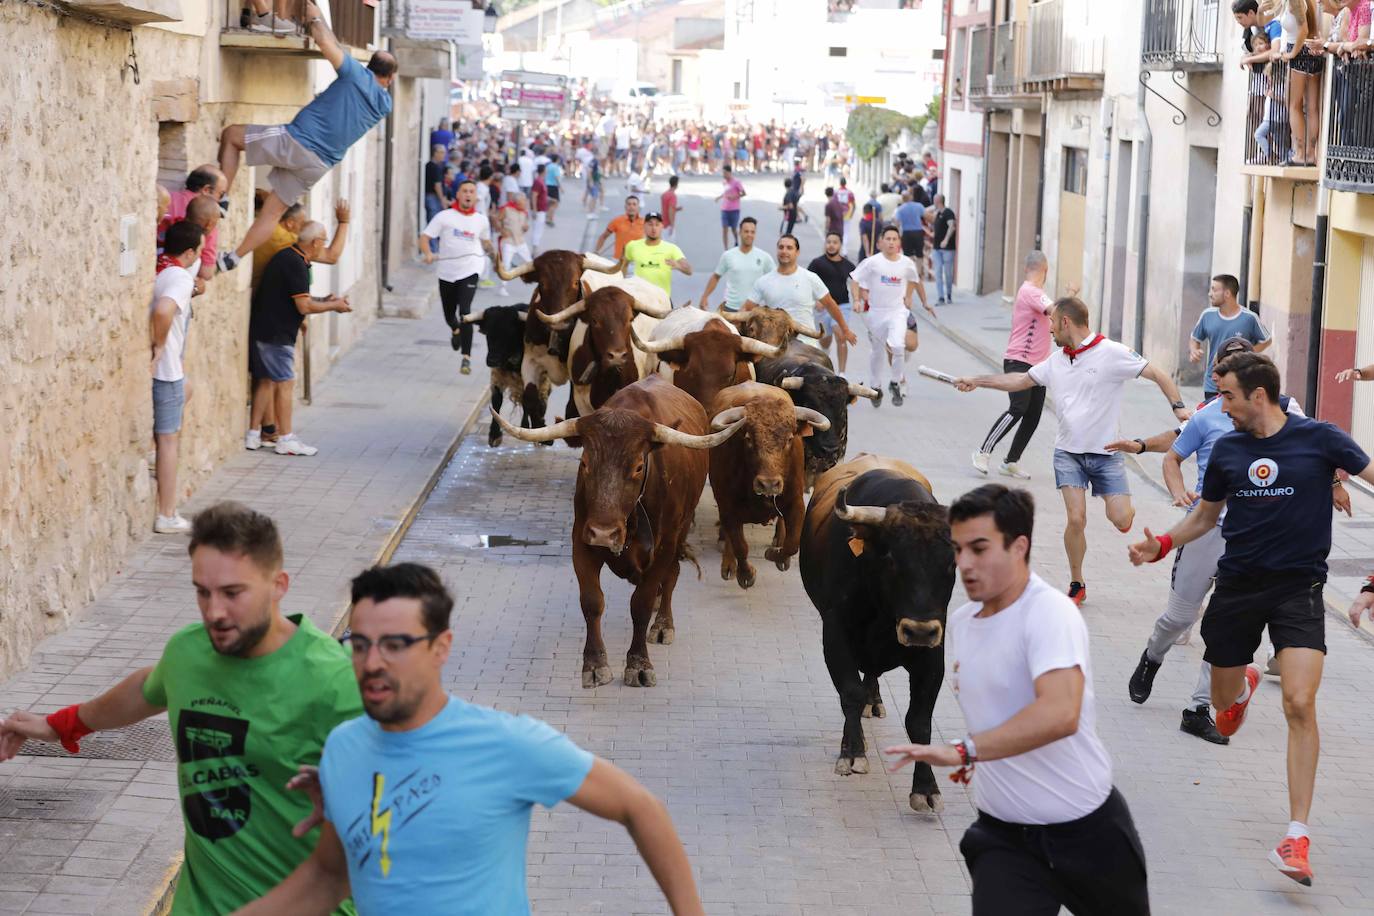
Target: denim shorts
x,y
1106,473
729,219
828,324
168,400
275,362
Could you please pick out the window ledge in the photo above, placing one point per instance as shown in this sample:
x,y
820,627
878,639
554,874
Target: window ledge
x,y
132,12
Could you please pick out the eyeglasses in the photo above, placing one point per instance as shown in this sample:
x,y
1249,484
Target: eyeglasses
x,y
389,646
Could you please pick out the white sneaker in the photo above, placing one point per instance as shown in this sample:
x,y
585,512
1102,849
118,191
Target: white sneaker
x,y
171,524
253,441
290,445
503,291
267,22
1185,638
1012,469
980,462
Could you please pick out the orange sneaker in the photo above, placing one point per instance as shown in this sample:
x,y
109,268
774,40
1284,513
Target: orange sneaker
x,y
1230,719
1291,858
1078,593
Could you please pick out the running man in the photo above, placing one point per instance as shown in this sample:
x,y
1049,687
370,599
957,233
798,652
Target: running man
x,y
740,267
303,152
241,722
729,198
463,235
1051,831
426,800
847,200
1273,476
835,269
514,221
1086,379
798,292
653,258
626,227
1221,321
885,283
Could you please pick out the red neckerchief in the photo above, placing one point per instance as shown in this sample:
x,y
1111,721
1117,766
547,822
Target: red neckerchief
x,y
1073,353
512,205
467,212
165,261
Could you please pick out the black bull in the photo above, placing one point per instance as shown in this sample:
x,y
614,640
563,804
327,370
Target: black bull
x,y
878,564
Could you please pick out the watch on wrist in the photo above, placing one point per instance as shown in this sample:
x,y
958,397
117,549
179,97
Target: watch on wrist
x,y
1177,405
1141,443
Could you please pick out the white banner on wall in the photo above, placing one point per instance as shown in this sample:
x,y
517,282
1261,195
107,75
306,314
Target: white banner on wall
x,y
450,20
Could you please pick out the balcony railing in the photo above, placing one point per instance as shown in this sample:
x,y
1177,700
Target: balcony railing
x,y
352,21
979,60
1068,41
1181,35
1350,133
1009,58
1268,137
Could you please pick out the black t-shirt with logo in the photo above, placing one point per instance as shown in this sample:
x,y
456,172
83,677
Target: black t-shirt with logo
x,y
835,276
1278,496
275,318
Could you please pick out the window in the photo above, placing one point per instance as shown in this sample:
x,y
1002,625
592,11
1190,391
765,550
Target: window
x,y
839,52
172,159
938,54
1075,170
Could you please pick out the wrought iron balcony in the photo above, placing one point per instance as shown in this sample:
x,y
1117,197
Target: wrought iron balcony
x,y
1004,86
1068,45
352,21
1181,35
1349,162
1268,132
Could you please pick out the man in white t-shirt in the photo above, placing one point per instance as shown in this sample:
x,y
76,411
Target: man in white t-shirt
x,y
1051,830
846,197
511,184
886,282
584,157
464,235
169,318
740,267
622,149
796,291
1085,380
526,176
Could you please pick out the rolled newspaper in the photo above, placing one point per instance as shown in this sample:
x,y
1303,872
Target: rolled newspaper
x,y
936,374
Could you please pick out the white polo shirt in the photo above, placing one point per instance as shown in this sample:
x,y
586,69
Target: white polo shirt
x,y
1087,392
460,242
994,662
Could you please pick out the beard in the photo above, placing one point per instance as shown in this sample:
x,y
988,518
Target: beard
x,y
397,708
247,640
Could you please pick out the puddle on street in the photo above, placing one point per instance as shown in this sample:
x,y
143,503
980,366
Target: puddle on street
x,y
487,541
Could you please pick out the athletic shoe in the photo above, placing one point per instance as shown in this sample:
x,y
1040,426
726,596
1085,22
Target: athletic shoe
x,y
1290,857
896,394
591,216
503,291
1142,678
1078,593
878,401
1198,723
253,441
467,366
227,260
171,524
1231,719
270,23
1271,667
486,283
290,445
980,462
1012,469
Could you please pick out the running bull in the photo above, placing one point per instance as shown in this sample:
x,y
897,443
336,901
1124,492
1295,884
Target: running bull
x,y
702,354
504,328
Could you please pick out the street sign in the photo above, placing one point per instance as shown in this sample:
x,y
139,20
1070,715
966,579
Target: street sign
x,y
468,62
862,99
448,20
529,96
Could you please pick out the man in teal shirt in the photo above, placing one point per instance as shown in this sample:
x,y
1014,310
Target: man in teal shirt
x,y
740,267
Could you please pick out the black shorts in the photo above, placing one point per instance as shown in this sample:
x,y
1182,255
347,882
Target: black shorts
x,y
913,244
1233,624
553,191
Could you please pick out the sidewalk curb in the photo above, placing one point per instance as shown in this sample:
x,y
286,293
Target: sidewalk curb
x,y
161,904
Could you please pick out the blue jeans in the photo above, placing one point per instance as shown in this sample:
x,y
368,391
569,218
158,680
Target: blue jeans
x,y
432,207
944,273
1106,473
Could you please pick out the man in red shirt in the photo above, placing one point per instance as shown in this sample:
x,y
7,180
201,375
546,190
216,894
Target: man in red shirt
x,y
539,197
203,181
626,228
669,208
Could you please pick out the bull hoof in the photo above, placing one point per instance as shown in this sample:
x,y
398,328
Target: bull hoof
x,y
639,677
494,441
544,444
874,711
661,633
596,677
927,804
844,766
782,562
747,576
727,569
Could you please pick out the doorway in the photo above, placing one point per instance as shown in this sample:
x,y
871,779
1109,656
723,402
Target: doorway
x,y
1073,212
1121,229
1197,250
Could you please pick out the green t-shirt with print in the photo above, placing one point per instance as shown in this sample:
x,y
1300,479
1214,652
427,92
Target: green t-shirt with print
x,y
242,727
649,261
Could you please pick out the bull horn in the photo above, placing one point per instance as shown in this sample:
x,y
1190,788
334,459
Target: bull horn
x,y
655,346
759,348
572,311
863,391
819,422
543,434
669,436
597,267
513,274
793,383
857,515
653,311
474,317
726,418
805,332
732,317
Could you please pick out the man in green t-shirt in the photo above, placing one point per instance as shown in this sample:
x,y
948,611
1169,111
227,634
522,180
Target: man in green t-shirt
x,y
250,693
654,259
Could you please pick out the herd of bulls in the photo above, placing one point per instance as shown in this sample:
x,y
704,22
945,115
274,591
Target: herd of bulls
x,y
664,399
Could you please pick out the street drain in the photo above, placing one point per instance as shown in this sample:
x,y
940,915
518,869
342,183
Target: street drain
x,y
53,804
151,740
488,541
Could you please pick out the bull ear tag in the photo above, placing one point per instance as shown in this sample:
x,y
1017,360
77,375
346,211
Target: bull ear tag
x,y
856,545
806,431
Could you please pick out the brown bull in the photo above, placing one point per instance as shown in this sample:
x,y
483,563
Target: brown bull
x,y
644,465
758,476
708,361
770,325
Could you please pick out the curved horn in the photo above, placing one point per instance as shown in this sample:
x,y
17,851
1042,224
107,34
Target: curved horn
x,y
669,436
726,418
819,422
792,383
804,331
732,317
595,266
572,311
759,348
655,346
863,391
511,275
474,317
543,434
653,311
857,515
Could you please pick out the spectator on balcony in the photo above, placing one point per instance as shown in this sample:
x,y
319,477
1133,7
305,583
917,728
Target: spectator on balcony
x,y
1350,33
264,18
205,181
169,317
302,152
1250,17
1298,21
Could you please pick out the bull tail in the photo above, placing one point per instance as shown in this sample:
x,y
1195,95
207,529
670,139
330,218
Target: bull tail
x,y
686,553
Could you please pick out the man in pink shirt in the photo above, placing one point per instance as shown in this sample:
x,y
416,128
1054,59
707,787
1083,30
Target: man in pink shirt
x,y
203,181
729,197
1029,344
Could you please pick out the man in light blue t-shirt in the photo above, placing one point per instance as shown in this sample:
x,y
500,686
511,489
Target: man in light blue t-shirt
x,y
740,267
303,152
1223,321
426,800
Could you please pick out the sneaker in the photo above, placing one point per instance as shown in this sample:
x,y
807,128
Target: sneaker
x,y
171,524
980,462
503,291
224,207
227,260
896,394
878,401
1012,469
1078,593
267,22
1271,667
486,283
1290,857
1231,719
253,441
1142,678
467,366
290,445
1198,723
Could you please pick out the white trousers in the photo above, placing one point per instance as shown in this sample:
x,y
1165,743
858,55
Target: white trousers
x,y
887,345
510,251
541,219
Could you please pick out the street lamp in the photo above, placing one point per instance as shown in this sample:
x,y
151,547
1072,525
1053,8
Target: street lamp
x,y
489,19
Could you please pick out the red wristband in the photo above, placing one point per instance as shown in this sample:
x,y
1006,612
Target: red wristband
x,y
69,727
1166,544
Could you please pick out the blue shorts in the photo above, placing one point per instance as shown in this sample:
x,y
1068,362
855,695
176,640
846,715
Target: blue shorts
x,y
729,219
1106,473
827,323
275,362
168,400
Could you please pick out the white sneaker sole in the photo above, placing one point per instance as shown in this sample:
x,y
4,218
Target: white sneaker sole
x,y
976,467
1293,873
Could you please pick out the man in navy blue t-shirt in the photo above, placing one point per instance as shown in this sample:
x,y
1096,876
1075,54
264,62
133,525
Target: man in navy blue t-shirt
x,y
1274,476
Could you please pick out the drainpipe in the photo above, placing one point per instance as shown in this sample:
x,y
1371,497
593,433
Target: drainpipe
x,y
1142,229
1040,188
1247,216
1108,121
1314,330
982,205
384,277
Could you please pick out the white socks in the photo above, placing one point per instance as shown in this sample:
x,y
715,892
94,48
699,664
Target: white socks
x,y
1296,829
1244,693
